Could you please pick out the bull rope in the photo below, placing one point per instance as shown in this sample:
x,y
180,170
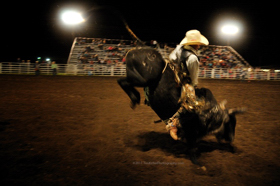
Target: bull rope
x,y
166,63
130,31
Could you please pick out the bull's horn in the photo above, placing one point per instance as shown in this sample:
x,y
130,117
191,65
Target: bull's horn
x,y
237,110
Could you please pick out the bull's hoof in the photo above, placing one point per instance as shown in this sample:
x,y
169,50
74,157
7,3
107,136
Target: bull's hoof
x,y
193,158
135,100
133,105
146,102
232,148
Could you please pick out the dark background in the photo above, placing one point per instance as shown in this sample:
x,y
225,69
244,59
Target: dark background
x,y
33,29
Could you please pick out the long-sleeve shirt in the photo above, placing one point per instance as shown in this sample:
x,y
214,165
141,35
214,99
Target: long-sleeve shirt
x,y
192,62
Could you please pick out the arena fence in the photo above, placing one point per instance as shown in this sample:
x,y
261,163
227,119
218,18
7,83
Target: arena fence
x,y
120,70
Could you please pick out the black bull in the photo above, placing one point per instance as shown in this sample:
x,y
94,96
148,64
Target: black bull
x,y
146,68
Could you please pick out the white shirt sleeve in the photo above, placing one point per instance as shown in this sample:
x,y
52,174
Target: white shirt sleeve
x,y
174,54
193,67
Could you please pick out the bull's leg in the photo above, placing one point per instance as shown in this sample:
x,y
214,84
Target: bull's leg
x,y
192,152
133,94
133,78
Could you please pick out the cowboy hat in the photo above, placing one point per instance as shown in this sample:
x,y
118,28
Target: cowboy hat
x,y
194,37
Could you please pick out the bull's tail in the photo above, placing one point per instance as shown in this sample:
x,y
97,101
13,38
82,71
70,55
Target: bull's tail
x,y
238,110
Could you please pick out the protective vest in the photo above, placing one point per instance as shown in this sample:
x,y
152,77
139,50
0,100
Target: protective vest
x,y
181,64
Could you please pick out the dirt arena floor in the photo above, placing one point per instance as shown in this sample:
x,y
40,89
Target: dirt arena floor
x,y
81,131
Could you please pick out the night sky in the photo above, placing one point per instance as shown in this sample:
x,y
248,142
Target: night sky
x,y
34,29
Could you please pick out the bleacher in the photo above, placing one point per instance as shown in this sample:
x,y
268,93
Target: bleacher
x,y
84,49
112,52
221,57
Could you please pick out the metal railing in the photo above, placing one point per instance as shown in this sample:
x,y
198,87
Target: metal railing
x,y
120,70
249,74
64,69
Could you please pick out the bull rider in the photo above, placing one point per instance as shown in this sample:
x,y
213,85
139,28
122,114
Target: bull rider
x,y
184,56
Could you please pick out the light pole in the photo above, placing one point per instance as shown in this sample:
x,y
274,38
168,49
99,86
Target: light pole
x,y
229,30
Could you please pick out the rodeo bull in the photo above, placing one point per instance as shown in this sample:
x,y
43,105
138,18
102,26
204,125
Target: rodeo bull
x,y
146,68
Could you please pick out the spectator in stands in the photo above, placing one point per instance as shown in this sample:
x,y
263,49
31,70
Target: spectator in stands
x,y
54,68
109,62
88,49
91,62
100,46
83,59
243,73
102,61
37,68
111,48
83,41
95,58
79,55
86,55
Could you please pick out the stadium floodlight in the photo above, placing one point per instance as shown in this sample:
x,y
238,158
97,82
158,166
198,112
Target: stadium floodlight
x,y
230,29
71,17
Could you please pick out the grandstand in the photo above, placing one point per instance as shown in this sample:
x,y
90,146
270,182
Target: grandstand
x,y
112,52
98,50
